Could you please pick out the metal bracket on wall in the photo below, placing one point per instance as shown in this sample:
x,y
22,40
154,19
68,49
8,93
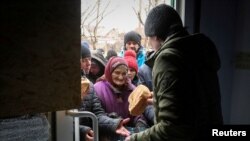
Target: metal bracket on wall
x,y
76,115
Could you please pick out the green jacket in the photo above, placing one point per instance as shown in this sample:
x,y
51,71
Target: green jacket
x,y
186,90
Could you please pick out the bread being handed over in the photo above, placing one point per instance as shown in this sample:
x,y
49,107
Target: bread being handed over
x,y
138,100
85,84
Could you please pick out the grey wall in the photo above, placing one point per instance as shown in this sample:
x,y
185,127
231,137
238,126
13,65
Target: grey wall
x,y
218,22
225,22
240,113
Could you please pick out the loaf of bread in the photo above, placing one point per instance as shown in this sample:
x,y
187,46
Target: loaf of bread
x,y
85,84
138,100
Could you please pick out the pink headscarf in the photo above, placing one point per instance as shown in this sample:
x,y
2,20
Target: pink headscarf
x,y
112,64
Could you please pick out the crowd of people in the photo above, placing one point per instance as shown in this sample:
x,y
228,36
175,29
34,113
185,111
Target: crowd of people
x,y
181,73
112,78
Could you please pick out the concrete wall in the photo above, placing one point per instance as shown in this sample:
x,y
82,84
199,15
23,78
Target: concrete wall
x,y
218,22
225,22
240,113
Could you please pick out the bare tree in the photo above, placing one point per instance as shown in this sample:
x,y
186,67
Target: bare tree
x,y
142,11
85,15
91,17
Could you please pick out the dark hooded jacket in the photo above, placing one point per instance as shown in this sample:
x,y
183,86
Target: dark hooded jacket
x,y
92,104
99,59
186,89
145,72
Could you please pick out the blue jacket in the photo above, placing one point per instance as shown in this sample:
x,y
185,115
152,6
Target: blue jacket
x,y
140,56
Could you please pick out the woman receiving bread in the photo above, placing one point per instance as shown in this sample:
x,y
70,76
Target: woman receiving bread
x,y
115,89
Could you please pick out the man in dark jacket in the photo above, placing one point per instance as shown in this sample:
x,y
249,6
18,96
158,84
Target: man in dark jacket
x,y
145,72
98,63
145,78
132,41
185,82
91,103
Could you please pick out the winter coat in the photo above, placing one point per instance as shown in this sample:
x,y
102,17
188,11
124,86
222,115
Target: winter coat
x,y
186,89
98,58
92,104
108,96
136,80
140,56
145,76
149,115
145,72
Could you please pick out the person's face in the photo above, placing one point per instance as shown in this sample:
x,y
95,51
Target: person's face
x,y
155,43
86,64
132,45
94,69
131,73
119,75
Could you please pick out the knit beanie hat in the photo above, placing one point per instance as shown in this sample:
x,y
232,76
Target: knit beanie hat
x,y
111,53
132,36
160,20
85,52
112,64
130,57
